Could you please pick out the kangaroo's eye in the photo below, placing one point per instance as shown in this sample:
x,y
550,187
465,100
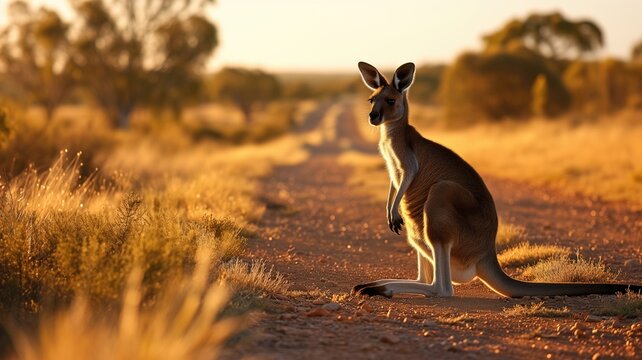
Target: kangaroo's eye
x,y
371,100
390,101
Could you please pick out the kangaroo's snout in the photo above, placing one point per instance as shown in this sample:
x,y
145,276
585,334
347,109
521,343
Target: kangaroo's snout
x,y
375,117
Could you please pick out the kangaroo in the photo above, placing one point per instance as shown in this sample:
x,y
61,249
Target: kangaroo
x,y
448,212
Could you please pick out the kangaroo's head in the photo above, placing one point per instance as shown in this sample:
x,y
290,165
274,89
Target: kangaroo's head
x,y
388,100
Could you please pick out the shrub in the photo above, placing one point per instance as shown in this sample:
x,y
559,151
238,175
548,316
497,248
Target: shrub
x,y
498,85
563,269
58,237
527,254
509,235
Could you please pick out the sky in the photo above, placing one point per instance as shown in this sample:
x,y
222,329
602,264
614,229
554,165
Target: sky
x,y
333,35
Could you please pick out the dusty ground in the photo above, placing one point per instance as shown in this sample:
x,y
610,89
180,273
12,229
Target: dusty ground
x,y
325,237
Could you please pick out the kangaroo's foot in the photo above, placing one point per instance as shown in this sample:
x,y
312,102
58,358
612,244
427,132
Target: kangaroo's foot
x,y
390,288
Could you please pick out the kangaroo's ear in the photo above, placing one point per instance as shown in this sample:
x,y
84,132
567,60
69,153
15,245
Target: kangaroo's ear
x,y
404,76
371,76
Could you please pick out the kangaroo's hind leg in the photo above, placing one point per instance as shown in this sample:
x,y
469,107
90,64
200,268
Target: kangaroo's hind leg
x,y
442,228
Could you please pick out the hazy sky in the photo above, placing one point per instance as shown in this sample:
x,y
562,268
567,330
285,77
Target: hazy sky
x,y
299,35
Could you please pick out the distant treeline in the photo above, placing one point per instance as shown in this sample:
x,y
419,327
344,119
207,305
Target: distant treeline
x,y
543,65
121,59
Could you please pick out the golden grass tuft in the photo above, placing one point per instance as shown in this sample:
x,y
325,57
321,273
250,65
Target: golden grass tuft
x,y
455,319
527,254
254,277
564,269
628,305
185,324
509,235
536,310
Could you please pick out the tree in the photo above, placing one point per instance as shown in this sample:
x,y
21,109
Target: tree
x,y
244,89
498,85
132,53
601,86
550,35
34,52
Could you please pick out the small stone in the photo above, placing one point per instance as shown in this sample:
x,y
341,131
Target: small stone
x,y
318,312
367,347
331,306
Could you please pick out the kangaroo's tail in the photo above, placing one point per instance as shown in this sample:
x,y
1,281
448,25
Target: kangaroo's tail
x,y
491,273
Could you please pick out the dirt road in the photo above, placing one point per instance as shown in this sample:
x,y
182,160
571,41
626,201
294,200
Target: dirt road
x,y
325,237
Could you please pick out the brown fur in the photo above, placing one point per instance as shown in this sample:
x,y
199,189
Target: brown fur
x,y
471,206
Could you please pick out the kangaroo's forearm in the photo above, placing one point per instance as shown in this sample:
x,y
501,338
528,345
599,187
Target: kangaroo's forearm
x,y
406,179
391,194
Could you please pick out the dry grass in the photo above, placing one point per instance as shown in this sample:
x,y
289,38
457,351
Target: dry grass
x,y
255,277
455,319
527,254
627,305
69,237
564,269
509,235
59,238
185,324
60,235
596,158
536,310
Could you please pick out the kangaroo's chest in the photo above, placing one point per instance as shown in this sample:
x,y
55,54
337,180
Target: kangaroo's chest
x,y
398,159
